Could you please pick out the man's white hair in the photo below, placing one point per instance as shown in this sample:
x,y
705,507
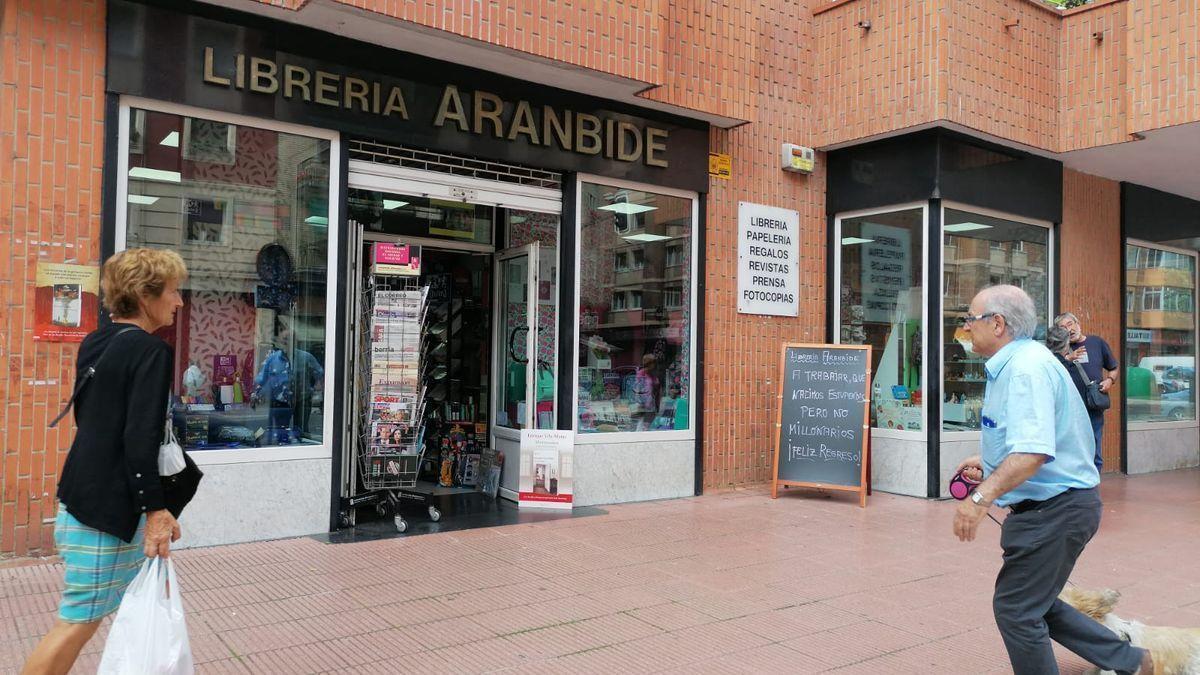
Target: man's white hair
x,y
1064,316
1015,305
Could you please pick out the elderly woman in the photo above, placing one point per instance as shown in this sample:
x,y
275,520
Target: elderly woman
x,y
112,509
1058,341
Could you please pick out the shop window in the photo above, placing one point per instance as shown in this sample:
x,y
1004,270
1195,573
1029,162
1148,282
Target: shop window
x,y
248,209
1160,337
881,305
963,376
635,354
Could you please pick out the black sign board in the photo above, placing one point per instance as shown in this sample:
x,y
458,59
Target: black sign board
x,y
250,65
823,426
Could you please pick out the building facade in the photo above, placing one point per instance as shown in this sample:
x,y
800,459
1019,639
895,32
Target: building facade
x,y
552,162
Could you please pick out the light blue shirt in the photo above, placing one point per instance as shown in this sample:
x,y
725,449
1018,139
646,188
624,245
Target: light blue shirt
x,y
1031,406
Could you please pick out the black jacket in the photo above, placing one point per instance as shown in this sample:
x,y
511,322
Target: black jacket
x,y
111,477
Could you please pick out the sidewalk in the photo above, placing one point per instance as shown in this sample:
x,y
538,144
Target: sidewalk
x,y
726,583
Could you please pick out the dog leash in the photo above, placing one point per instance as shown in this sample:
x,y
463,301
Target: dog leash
x,y
960,489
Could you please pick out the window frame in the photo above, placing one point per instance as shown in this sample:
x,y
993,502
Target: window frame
x,y
836,307
1154,250
323,450
1051,292
694,389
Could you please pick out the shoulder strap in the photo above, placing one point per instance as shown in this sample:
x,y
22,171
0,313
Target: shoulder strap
x,y
88,375
1082,373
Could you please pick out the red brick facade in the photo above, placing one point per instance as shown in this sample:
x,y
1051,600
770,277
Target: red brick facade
x,y
803,72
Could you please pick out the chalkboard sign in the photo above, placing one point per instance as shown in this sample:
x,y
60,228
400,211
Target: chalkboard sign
x,y
823,429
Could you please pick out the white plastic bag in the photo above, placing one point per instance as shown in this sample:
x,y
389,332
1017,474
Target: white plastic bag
x,y
170,455
149,634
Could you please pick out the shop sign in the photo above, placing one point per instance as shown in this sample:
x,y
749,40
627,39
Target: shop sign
x,y
1138,335
66,303
547,472
275,70
768,260
886,271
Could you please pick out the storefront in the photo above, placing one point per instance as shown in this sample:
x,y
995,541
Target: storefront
x,y
921,223
557,239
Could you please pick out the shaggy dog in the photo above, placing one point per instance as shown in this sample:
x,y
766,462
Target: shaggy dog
x,y
1176,651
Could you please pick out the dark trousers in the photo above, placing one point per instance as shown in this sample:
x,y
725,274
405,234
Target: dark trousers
x,y
1098,433
1040,547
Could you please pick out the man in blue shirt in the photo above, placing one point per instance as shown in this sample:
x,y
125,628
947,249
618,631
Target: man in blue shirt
x,y
1093,354
1037,460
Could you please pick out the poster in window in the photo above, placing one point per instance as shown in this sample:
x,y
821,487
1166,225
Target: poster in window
x,y
206,220
66,302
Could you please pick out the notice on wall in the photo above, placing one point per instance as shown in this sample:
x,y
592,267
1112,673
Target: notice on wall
x,y
547,472
66,302
886,270
768,260
823,405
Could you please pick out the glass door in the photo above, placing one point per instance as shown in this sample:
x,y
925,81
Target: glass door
x,y
516,338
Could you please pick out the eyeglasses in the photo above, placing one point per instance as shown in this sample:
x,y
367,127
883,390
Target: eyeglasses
x,y
967,320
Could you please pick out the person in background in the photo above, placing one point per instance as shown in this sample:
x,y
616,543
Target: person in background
x,y
112,510
1037,461
1093,353
1058,341
287,385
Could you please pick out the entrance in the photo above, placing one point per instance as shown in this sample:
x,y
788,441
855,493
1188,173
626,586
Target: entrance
x,y
453,340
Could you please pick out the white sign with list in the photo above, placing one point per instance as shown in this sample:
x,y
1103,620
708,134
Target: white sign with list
x,y
768,260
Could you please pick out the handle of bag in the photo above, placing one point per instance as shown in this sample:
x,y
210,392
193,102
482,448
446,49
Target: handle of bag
x,y
87,375
1082,373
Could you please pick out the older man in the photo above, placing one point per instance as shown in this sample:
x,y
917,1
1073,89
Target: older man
x,y
1093,354
1037,461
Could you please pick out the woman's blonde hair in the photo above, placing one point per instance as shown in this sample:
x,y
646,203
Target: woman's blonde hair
x,y
138,273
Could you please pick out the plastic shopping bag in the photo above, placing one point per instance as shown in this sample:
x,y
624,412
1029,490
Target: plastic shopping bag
x,y
149,634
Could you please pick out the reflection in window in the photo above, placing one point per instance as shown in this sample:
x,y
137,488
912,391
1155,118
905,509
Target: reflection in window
x,y
413,216
1160,336
248,209
881,306
985,251
635,295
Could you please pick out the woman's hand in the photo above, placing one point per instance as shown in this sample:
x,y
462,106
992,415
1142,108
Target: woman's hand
x,y
161,530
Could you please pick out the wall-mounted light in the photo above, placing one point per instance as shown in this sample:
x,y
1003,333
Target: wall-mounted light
x,y
865,24
1098,36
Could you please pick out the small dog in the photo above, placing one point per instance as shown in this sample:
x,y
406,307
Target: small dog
x,y
1176,651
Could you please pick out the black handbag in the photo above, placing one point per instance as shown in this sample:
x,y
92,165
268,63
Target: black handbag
x,y
1093,398
179,489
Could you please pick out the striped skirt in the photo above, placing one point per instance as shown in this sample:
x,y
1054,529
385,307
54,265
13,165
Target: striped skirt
x,y
99,566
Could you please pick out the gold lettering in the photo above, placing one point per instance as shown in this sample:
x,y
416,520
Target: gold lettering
x,y
375,97
654,148
326,85
240,71
395,102
262,69
209,76
450,98
610,143
492,112
356,90
551,126
591,134
295,77
523,123
626,131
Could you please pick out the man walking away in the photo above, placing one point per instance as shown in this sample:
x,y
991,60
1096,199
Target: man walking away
x,y
1037,461
1093,353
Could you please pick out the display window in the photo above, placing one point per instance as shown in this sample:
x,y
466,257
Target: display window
x,y
880,302
636,298
247,205
983,249
1160,334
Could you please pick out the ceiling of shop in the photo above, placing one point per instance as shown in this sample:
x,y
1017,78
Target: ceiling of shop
x,y
1165,160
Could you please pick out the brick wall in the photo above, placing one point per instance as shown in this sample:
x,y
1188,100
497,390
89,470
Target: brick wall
x,y
1164,63
51,151
1091,232
1092,101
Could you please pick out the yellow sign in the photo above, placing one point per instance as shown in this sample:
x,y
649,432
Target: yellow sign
x,y
720,165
